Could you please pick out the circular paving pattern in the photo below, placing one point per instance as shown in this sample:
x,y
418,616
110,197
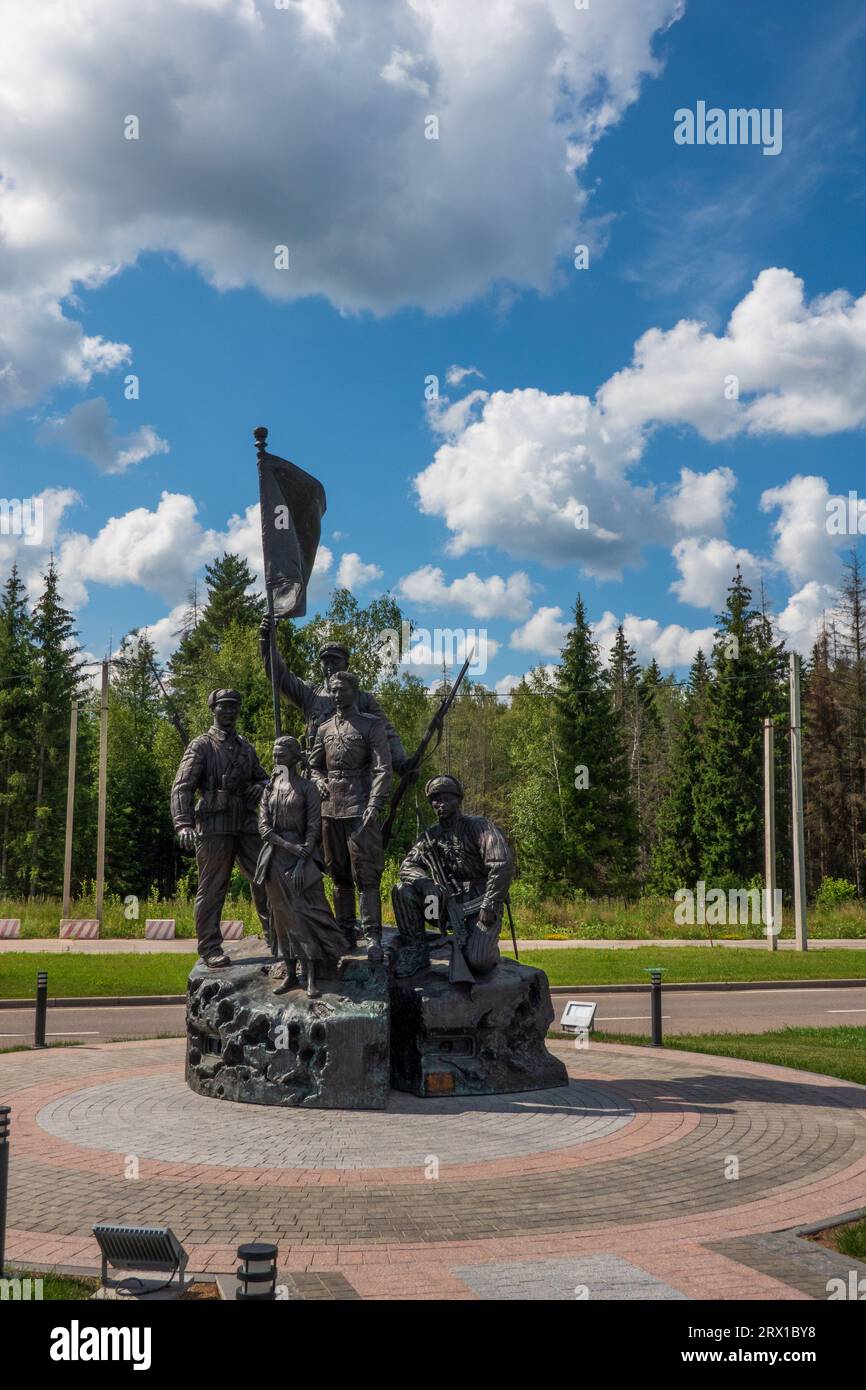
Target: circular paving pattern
x,y
653,1171
160,1118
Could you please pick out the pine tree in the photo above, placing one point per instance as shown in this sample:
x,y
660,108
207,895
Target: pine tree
x,y
601,833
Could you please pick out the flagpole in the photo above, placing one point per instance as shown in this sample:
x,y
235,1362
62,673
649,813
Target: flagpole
x,y
260,435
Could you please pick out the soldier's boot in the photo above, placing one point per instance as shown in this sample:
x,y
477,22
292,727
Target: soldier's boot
x,y
313,990
371,922
344,908
413,952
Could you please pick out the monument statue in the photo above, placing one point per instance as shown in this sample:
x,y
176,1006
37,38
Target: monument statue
x,y
351,764
457,874
214,802
290,824
433,1014
316,702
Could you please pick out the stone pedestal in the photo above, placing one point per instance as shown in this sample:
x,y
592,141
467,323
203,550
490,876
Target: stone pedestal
x,y
473,1040
364,1034
246,1043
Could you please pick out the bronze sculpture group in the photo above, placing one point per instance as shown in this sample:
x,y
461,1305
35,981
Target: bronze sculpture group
x,y
286,830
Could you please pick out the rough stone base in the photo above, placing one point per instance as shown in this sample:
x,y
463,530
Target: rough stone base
x,y
473,1040
246,1043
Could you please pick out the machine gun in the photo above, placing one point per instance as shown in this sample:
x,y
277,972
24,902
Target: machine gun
x,y
455,911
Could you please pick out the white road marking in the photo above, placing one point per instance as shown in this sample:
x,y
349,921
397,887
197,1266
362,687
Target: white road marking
x,y
846,1011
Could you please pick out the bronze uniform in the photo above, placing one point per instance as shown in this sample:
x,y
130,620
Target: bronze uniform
x,y
351,764
223,768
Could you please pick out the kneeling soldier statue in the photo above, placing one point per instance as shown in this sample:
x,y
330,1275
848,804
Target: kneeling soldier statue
x,y
222,826
457,874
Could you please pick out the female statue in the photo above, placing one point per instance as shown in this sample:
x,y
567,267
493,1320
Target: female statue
x,y
290,822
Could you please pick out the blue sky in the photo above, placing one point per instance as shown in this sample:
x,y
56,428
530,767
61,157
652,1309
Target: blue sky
x,y
334,357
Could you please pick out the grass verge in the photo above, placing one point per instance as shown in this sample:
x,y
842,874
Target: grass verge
x,y
71,975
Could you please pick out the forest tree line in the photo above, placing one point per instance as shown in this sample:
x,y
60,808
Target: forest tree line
x,y
608,777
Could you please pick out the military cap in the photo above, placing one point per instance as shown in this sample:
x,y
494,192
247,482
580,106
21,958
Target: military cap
x,y
334,649
444,783
216,695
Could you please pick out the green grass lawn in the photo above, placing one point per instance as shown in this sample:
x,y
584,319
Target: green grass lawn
x,y
851,1240
57,1286
831,1051
73,975
688,964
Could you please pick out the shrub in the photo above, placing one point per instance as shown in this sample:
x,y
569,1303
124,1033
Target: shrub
x,y
834,891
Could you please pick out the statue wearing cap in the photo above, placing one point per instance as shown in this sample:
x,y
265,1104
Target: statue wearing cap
x,y
214,803
316,702
458,873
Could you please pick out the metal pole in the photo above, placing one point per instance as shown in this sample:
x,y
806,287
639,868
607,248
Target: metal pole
x,y
772,926
800,930
41,1007
275,689
103,771
5,1112
656,1006
70,808
260,434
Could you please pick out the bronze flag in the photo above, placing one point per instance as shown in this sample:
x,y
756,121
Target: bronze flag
x,y
292,504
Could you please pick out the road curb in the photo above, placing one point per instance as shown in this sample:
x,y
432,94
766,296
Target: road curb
x,y
131,1000
96,1001
713,985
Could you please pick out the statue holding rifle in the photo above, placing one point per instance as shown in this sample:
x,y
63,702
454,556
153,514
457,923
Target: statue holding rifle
x,y
456,875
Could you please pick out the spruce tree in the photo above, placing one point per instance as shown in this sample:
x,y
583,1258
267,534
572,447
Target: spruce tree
x,y
747,684
601,832
56,682
17,658
676,854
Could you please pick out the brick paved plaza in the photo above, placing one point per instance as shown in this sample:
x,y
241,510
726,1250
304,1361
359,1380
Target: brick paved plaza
x,y
615,1186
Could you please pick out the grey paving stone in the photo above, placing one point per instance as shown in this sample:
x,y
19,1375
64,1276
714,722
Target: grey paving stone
x,y
605,1277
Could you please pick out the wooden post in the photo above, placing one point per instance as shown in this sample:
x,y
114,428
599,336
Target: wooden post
x,y
799,860
70,808
772,926
103,771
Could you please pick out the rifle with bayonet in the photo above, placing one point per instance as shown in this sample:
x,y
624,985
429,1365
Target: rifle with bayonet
x,y
171,709
414,764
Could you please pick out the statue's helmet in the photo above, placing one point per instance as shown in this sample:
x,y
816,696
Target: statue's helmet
x,y
443,783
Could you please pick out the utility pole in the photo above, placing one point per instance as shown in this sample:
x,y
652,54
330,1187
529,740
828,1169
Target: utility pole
x,y
772,926
70,808
799,863
103,771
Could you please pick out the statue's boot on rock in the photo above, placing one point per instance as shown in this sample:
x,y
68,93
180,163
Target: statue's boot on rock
x,y
371,920
291,980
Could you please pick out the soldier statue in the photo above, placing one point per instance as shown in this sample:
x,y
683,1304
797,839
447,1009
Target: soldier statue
x,y
316,702
456,874
351,764
222,767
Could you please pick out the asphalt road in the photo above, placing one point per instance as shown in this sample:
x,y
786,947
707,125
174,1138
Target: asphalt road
x,y
684,1011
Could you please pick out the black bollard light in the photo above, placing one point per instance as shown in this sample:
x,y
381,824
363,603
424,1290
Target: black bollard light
x,y
41,1007
655,974
257,1275
5,1112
